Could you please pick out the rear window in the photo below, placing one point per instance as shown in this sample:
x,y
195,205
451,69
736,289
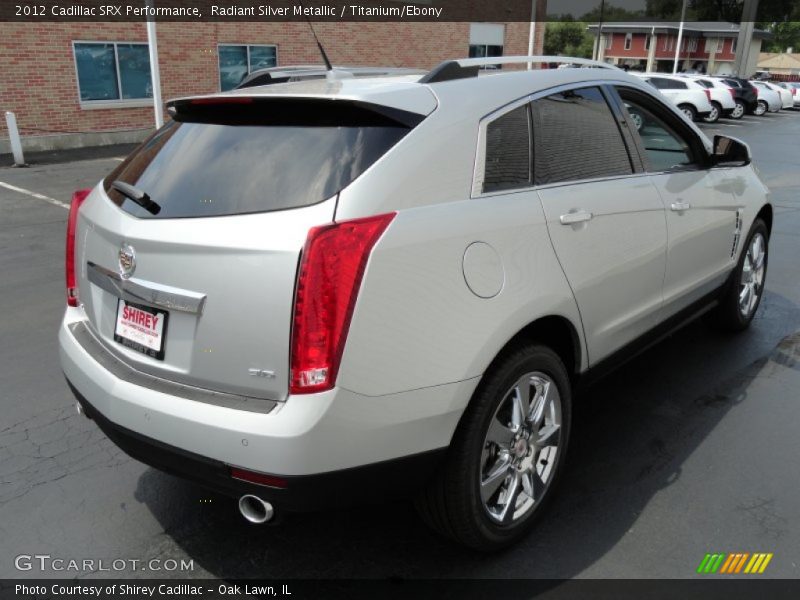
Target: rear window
x,y
236,166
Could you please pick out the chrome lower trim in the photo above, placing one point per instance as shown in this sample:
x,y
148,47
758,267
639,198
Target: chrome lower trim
x,y
137,290
119,369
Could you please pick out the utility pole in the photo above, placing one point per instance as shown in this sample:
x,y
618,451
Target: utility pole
x,y
745,39
680,38
599,39
155,75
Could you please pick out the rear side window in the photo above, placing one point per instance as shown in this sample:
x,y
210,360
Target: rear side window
x,y
237,166
508,153
577,137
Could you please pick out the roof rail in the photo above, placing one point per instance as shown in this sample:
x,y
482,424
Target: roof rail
x,y
288,73
464,68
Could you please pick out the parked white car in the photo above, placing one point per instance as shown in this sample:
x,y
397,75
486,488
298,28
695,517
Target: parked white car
x,y
794,89
722,98
348,288
787,99
768,99
690,97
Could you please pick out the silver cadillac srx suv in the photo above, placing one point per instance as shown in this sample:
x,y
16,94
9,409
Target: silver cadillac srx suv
x,y
335,289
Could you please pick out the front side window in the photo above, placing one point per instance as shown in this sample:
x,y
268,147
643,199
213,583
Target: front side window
x,y
508,158
665,149
112,71
577,137
238,61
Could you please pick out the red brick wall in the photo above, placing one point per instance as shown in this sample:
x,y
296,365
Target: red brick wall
x,y
637,50
38,80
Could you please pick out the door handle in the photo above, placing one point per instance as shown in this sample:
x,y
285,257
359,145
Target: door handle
x,y
680,205
575,217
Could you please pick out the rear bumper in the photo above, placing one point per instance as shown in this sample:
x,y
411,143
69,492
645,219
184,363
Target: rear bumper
x,y
370,483
316,435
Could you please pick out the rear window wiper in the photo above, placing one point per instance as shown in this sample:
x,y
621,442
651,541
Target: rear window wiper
x,y
141,198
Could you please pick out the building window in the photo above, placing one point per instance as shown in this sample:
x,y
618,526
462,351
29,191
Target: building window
x,y
734,42
486,40
720,45
691,44
628,40
648,39
237,61
669,43
608,39
112,71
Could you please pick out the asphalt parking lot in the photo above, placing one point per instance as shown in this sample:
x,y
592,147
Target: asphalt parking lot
x,y
689,449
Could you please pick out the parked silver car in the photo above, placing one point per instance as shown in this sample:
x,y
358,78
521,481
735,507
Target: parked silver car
x,y
337,289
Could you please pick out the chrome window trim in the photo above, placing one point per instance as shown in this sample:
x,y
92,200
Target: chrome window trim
x,y
480,152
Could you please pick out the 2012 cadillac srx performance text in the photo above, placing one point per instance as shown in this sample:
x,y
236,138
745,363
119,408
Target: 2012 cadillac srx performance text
x,y
340,288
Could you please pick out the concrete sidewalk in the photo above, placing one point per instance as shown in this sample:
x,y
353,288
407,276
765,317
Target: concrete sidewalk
x,y
51,157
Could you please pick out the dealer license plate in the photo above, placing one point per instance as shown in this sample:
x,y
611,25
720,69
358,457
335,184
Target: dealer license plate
x,y
141,328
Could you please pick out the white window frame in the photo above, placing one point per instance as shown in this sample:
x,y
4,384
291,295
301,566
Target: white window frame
x,y
608,40
669,43
720,45
628,41
691,44
247,49
120,102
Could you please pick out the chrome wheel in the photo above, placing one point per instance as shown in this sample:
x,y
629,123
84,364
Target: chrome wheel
x,y
752,279
688,112
521,449
760,109
713,116
738,111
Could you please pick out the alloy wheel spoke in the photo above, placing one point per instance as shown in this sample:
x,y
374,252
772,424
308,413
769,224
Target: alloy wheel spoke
x,y
512,493
499,433
537,484
521,402
495,479
549,435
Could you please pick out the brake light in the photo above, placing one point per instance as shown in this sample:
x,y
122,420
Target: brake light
x,y
708,94
733,94
794,91
69,255
756,89
333,263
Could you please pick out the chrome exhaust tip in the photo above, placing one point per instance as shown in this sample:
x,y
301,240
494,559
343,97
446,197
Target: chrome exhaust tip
x,y
255,510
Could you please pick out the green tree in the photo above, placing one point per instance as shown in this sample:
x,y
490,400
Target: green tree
x,y
567,38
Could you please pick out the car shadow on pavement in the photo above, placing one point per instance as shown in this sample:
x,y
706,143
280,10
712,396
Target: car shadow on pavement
x,y
632,433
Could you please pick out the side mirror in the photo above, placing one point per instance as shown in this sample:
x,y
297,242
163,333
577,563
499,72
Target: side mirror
x,y
730,152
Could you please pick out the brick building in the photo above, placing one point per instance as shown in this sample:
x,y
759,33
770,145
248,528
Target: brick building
x,y
73,84
709,47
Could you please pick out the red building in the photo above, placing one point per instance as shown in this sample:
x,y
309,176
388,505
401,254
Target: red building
x,y
708,47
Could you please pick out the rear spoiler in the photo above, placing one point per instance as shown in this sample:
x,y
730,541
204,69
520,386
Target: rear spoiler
x,y
231,109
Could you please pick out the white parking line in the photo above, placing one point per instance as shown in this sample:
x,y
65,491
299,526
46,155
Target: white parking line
x,y
52,201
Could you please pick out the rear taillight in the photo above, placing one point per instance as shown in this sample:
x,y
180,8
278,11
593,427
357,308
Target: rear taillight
x,y
794,91
333,263
733,93
708,94
756,89
69,256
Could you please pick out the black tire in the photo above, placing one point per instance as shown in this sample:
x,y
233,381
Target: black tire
x,y
689,110
728,315
452,503
715,114
739,110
